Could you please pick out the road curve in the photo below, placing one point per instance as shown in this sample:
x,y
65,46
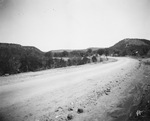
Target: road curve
x,y
16,90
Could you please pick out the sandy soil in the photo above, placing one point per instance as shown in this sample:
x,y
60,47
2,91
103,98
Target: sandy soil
x,y
85,93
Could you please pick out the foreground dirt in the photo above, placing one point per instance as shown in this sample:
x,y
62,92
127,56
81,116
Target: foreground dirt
x,y
134,104
94,92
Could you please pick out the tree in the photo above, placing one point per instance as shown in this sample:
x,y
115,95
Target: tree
x,y
63,63
123,53
100,51
106,52
148,53
9,60
49,54
85,60
14,65
94,59
69,62
89,52
49,63
9,65
30,62
65,54
74,54
57,54
82,53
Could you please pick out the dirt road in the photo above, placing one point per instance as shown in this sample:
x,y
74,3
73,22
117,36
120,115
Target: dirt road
x,y
85,92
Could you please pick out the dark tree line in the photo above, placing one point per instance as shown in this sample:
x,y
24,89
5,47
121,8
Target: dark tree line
x,y
16,58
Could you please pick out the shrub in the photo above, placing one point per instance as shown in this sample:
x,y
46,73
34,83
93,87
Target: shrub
x,y
94,59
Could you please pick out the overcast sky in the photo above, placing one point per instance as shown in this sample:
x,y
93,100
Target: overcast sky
x,y
73,24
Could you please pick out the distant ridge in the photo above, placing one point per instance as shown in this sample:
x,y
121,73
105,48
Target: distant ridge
x,y
129,41
69,50
12,45
121,45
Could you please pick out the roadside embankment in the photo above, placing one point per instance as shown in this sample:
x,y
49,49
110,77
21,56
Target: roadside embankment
x,y
135,106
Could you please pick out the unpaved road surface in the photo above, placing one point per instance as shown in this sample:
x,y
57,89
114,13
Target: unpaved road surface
x,y
82,93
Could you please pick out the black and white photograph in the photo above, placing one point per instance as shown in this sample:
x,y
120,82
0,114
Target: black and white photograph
x,y
74,60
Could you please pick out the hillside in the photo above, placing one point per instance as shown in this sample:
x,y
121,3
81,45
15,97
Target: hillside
x,y
15,58
131,47
16,48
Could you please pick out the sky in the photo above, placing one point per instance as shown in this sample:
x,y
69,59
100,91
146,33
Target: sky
x,y
73,24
